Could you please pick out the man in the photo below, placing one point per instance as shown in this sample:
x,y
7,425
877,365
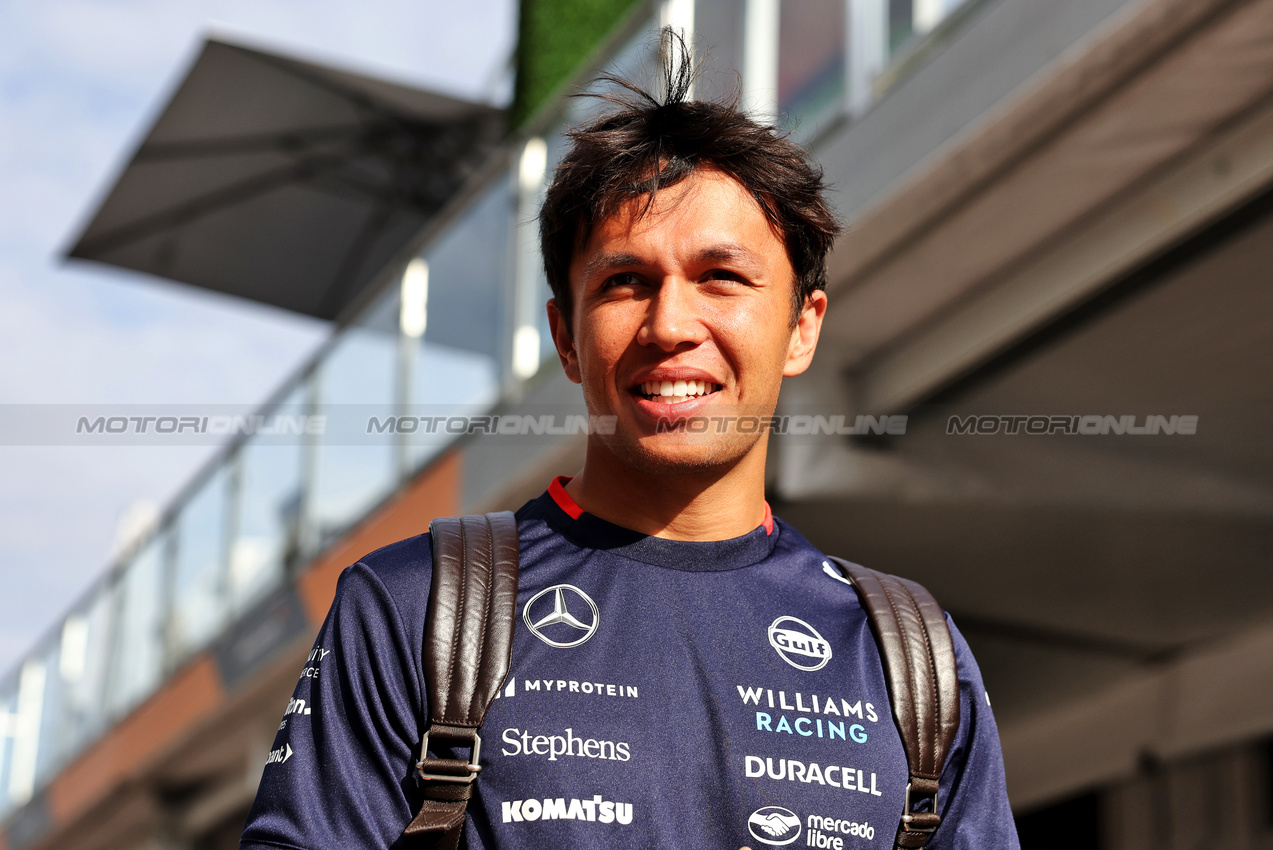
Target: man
x,y
649,703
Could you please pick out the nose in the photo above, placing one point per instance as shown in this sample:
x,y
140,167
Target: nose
x,y
673,316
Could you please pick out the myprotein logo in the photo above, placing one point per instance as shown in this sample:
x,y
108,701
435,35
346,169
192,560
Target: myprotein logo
x,y
774,825
562,616
568,686
799,644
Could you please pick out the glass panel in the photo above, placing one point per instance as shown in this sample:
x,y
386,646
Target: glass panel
x,y
470,267
357,378
810,64
456,367
136,653
718,44
267,520
25,728
199,574
8,729
82,661
909,19
51,711
447,381
901,24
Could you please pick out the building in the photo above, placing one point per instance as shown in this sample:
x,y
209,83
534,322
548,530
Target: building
x,y
1055,271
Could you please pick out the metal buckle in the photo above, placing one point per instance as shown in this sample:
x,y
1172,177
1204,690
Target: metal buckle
x,y
473,767
908,816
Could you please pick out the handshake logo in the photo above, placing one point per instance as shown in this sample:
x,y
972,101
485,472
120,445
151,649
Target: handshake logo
x,y
774,825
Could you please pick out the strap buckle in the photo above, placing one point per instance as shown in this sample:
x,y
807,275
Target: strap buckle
x,y
910,816
472,768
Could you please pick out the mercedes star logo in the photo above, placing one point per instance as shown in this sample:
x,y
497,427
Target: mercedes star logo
x,y
557,621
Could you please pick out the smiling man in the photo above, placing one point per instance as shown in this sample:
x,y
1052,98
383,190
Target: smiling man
x,y
687,670
680,309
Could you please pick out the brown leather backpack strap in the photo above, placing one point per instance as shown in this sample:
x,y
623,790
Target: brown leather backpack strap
x,y
923,685
468,648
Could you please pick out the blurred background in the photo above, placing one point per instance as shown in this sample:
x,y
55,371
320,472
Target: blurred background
x,y
1048,343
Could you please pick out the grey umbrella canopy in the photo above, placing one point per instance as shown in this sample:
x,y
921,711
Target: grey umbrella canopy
x,y
286,182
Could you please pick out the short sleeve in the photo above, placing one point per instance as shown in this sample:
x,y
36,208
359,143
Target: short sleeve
x,y
973,792
339,774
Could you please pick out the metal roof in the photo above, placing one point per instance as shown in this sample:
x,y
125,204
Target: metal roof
x,y
285,182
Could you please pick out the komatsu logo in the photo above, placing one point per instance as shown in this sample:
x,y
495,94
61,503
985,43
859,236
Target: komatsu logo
x,y
799,643
595,809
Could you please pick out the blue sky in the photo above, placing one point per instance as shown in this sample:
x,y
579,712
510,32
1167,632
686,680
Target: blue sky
x,y
80,82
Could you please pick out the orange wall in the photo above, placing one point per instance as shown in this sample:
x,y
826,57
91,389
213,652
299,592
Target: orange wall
x,y
191,695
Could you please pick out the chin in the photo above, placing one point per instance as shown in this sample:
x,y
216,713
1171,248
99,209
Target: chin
x,y
672,454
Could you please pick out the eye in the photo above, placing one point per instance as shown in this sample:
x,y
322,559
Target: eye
x,y
621,281
726,275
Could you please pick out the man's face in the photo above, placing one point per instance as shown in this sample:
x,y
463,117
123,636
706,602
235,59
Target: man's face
x,y
684,312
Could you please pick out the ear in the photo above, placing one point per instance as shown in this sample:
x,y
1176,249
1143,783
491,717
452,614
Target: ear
x,y
804,336
564,342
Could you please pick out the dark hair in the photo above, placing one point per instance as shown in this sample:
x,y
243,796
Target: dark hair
x,y
647,144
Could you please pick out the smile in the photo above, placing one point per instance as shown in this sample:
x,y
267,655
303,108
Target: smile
x,y
673,392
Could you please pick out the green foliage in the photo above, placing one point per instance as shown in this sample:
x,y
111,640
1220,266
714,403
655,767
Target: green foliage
x,y
554,38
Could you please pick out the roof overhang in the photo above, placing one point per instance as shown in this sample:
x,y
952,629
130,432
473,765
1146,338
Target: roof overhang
x,y
286,182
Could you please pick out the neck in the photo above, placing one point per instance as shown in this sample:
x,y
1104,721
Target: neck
x,y
711,504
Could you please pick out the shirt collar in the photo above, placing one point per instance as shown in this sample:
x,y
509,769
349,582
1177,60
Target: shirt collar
x,y
565,515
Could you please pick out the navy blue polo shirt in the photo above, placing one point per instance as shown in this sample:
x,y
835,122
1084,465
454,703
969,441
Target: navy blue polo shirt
x,y
663,694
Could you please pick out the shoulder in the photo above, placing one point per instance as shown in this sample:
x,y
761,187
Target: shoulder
x,y
386,592
398,576
401,567
969,672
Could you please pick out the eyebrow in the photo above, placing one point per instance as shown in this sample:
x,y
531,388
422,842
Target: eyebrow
x,y
606,262
723,252
728,252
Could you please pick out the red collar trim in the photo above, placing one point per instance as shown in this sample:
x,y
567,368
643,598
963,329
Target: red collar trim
x,y
557,489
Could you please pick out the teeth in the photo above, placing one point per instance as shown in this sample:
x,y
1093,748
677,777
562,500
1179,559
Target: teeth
x,y
677,389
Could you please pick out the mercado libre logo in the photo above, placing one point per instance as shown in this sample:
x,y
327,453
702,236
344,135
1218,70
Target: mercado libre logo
x,y
774,825
799,644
